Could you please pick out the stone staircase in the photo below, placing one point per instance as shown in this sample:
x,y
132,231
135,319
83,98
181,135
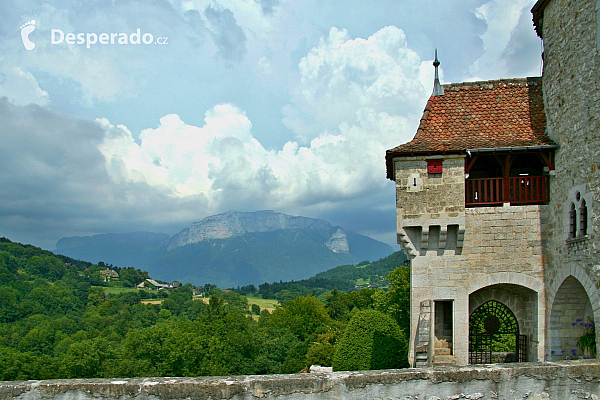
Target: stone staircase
x,y
442,353
423,331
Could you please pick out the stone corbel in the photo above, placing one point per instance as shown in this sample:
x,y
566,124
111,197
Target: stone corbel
x,y
460,236
443,236
407,245
425,237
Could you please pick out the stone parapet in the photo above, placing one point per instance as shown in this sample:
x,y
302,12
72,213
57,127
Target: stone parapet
x,y
553,380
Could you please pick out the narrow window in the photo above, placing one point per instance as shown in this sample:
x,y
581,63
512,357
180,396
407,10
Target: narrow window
x,y
582,219
572,221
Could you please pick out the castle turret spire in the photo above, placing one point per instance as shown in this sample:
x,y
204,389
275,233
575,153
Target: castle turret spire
x,y
438,89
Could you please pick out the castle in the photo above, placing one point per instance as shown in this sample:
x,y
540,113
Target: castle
x,y
497,200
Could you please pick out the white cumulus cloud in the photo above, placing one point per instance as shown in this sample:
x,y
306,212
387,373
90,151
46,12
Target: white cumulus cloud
x,y
342,77
503,18
359,93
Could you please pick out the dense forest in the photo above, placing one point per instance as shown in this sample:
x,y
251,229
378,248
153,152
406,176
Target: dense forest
x,y
344,278
58,319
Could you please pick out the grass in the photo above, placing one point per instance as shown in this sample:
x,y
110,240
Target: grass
x,y
116,290
268,304
203,299
152,301
120,290
264,304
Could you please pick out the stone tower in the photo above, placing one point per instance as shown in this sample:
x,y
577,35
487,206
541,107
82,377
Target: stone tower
x,y
472,190
570,31
495,199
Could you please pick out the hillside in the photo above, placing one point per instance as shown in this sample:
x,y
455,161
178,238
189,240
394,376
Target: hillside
x,y
232,249
247,259
60,320
135,249
345,278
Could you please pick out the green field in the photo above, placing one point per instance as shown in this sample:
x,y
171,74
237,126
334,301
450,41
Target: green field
x,y
152,301
117,290
268,304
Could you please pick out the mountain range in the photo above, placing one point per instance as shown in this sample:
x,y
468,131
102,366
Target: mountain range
x,y
232,249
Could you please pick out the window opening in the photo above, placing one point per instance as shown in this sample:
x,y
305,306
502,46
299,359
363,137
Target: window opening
x,y
572,221
583,219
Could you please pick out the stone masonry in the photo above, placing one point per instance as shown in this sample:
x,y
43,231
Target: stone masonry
x,y
473,235
540,381
571,85
456,250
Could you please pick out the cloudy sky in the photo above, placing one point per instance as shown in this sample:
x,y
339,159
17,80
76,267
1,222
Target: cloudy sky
x,y
199,107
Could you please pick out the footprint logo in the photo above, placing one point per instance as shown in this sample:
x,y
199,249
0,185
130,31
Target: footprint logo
x,y
26,29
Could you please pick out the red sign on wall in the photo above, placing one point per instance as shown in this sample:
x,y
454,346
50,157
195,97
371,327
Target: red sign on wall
x,y
434,166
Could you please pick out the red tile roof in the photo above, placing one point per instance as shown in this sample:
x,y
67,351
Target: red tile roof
x,y
479,115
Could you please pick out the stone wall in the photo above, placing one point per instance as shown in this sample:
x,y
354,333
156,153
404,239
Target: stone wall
x,y
429,206
500,259
506,239
570,306
571,84
547,381
456,252
422,196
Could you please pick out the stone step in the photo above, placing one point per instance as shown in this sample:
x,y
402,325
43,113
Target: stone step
x,y
443,359
421,348
443,351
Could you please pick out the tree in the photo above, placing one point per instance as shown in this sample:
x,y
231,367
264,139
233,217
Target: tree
x,y
303,316
321,352
337,304
131,277
89,358
275,345
396,301
372,340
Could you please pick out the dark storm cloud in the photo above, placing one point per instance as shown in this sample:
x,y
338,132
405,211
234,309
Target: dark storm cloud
x,y
227,35
371,214
54,183
50,169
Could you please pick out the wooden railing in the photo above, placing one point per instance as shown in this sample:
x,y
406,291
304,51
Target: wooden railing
x,y
514,190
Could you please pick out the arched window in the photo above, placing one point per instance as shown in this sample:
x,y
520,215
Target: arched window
x,y
583,215
573,221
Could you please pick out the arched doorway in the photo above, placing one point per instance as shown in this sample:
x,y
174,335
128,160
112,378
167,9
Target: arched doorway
x,y
571,317
494,329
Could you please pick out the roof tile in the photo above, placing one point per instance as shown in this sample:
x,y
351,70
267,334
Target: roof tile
x,y
476,115
491,114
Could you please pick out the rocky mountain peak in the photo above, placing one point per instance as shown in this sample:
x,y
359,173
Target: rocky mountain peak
x,y
233,223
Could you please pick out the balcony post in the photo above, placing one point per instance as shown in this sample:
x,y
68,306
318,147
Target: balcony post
x,y
506,181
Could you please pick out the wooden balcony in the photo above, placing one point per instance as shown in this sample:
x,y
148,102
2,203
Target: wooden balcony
x,y
513,190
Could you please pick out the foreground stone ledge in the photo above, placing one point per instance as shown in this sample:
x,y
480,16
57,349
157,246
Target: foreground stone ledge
x,y
553,380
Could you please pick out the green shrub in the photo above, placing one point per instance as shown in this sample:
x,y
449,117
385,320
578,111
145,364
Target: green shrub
x,y
372,340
